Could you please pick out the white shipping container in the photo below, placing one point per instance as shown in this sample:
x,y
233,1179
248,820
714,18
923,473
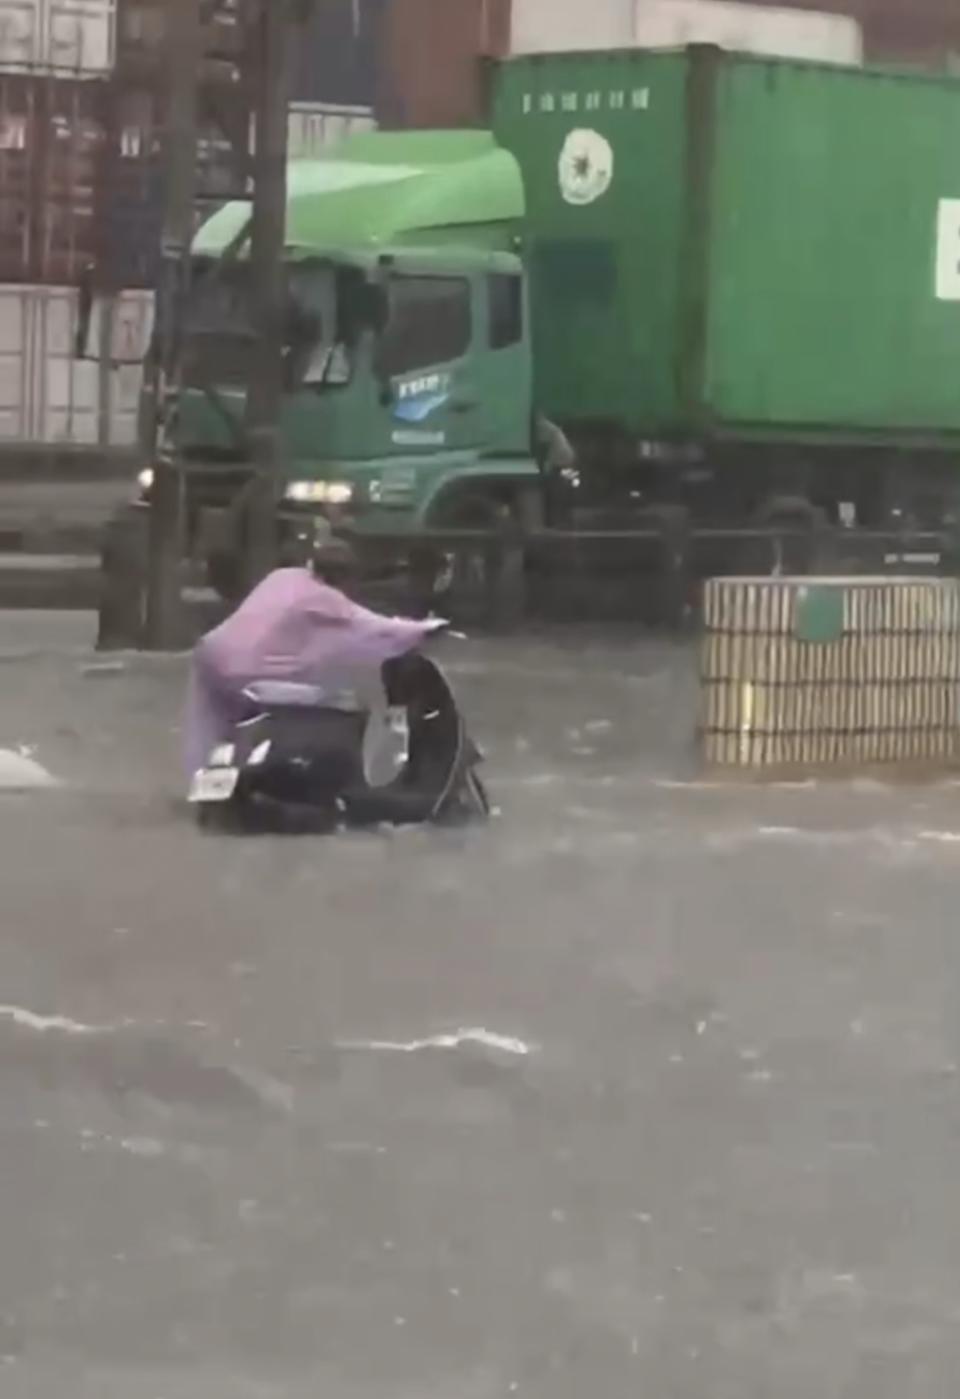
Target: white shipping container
x,y
781,32
314,126
47,395
61,36
559,26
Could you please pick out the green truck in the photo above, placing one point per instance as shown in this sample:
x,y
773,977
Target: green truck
x,y
732,283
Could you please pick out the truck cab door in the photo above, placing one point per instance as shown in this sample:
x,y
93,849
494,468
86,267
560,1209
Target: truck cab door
x,y
504,369
425,362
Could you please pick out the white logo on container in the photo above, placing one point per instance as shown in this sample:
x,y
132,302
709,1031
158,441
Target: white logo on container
x,y
586,166
948,250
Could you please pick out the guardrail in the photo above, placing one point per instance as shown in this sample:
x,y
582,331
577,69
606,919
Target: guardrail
x,y
671,557
668,556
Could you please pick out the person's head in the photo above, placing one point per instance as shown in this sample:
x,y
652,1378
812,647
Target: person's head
x,y
335,563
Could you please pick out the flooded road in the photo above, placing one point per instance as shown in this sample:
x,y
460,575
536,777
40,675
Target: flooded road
x,y
651,1086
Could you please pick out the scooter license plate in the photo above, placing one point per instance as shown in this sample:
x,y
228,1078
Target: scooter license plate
x,y
213,785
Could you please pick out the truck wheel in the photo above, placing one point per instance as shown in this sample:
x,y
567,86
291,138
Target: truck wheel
x,y
469,565
672,591
482,582
124,567
225,576
796,551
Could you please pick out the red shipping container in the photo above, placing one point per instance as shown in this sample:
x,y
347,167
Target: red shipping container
x,y
18,210
69,166
435,60
133,173
51,144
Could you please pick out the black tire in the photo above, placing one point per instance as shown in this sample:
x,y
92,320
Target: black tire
x,y
794,553
225,576
487,582
124,570
671,592
471,578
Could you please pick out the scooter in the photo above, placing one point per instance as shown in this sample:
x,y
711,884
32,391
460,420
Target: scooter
x,y
302,759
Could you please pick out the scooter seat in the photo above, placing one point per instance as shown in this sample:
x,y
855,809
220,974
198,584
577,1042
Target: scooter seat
x,y
287,694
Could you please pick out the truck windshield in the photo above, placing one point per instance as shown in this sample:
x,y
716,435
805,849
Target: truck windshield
x,y
219,335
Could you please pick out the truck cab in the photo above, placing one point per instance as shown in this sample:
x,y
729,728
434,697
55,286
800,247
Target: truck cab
x,y
407,359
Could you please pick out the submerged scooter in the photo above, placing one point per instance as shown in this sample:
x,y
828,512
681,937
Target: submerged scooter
x,y
308,713
307,761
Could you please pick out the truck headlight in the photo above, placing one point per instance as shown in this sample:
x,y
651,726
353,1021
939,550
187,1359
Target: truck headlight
x,y
319,492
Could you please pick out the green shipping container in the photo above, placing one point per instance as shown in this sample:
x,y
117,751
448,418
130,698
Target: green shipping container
x,y
728,245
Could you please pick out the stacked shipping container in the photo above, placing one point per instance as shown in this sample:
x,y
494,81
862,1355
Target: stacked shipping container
x,y
58,36
433,56
776,30
331,69
51,134
925,32
56,58
334,52
48,398
81,133
434,60
82,115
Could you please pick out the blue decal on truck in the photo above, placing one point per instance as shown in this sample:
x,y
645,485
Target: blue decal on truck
x,y
418,398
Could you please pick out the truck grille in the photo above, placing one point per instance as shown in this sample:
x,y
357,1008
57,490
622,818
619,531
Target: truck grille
x,y
209,485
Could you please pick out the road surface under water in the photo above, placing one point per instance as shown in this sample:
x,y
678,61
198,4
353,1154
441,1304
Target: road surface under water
x,y
650,1087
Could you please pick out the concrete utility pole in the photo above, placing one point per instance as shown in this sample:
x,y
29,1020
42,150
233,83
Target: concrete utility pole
x,y
182,56
268,289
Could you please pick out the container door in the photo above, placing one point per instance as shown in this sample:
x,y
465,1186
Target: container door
x,y
18,126
80,35
16,309
20,27
133,314
310,130
335,55
71,158
132,327
430,72
313,127
125,385
68,389
46,395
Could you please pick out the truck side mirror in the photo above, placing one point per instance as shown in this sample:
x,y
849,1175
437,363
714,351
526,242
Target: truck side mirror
x,y
381,372
374,309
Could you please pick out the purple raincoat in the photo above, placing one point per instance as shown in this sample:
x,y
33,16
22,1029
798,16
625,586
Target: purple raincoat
x,y
291,628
